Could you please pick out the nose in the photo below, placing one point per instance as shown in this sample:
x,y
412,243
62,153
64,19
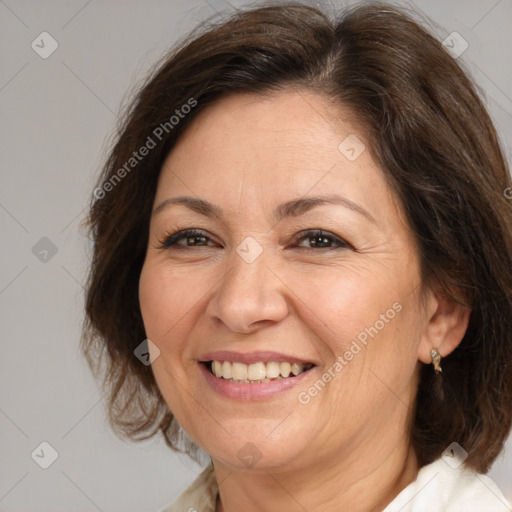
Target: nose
x,y
249,296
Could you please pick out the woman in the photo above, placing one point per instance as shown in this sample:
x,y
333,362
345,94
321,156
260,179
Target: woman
x,y
302,259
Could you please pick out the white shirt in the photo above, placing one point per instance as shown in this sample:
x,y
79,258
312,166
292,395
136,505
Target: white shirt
x,y
443,486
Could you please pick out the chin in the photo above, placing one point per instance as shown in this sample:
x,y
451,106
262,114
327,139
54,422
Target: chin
x,y
252,448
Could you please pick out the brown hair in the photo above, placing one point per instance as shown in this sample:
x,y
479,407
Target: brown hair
x,y
432,137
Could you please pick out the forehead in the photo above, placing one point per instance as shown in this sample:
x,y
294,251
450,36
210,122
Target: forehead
x,y
278,119
270,148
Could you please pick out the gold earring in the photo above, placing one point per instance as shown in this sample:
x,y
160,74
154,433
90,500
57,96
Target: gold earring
x,y
436,360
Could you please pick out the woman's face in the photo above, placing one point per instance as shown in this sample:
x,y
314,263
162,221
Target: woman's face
x,y
260,286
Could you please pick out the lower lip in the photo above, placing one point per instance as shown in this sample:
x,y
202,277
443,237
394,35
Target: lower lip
x,y
250,391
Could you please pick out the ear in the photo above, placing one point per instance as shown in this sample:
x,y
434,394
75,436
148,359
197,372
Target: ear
x,y
447,322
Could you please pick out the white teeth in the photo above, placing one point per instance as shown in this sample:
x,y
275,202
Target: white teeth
x,y
238,371
273,370
217,368
256,372
297,368
226,370
286,368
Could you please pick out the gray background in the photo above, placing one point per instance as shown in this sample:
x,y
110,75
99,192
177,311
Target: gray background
x,y
56,115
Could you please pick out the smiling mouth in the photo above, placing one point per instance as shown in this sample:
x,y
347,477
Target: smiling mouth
x,y
255,373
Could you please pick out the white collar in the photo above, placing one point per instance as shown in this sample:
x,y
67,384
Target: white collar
x,y
447,485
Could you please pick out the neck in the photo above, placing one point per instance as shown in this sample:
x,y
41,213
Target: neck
x,y
347,486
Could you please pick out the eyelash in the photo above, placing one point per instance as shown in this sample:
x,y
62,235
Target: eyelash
x,y
170,239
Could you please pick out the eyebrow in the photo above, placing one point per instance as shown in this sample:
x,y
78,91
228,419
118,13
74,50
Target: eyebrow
x,y
292,208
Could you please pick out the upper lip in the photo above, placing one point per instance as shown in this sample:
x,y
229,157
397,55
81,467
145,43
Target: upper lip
x,y
252,357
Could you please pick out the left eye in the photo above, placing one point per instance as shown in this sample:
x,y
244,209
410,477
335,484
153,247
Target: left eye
x,y
321,240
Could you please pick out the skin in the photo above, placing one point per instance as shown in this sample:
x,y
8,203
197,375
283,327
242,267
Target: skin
x,y
348,448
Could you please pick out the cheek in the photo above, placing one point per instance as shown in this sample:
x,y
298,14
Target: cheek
x,y
165,295
345,303
152,300
369,319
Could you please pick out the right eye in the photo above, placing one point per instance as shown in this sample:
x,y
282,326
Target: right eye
x,y
191,237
